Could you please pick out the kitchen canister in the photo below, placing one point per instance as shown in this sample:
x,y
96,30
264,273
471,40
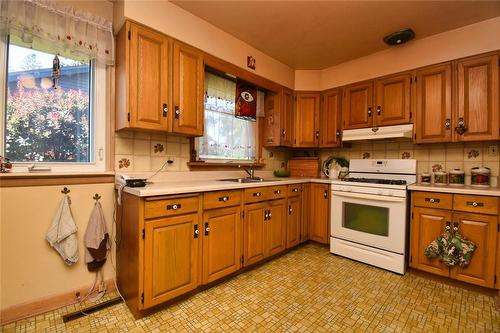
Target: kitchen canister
x,y
480,176
440,178
456,177
425,178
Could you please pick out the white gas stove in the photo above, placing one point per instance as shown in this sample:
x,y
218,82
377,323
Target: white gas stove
x,y
369,212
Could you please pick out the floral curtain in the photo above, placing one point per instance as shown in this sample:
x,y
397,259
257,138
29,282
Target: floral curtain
x,y
226,137
66,31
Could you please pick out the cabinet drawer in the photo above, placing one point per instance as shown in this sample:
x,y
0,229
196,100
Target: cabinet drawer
x,y
432,200
294,190
170,206
475,204
220,199
277,192
257,194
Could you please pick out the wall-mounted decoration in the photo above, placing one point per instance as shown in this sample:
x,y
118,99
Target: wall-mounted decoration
x,y
251,62
246,101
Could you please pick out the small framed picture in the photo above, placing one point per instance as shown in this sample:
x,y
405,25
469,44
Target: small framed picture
x,y
251,62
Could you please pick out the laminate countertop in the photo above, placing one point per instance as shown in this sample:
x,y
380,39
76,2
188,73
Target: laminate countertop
x,y
464,189
195,186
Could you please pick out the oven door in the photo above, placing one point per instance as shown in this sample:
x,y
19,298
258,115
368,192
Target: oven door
x,y
374,220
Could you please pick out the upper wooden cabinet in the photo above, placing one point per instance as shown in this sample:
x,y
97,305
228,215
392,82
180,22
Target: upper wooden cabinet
x,y
357,106
189,72
433,104
307,119
330,117
159,82
278,124
476,113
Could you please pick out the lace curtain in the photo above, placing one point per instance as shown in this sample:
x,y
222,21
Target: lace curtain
x,y
226,137
48,27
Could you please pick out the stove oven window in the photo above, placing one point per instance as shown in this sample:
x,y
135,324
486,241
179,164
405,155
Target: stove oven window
x,y
364,218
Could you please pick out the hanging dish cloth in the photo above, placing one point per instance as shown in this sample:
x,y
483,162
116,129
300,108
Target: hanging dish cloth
x,y
62,233
451,249
96,239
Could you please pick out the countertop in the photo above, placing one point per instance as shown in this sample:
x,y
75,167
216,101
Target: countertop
x,y
194,186
465,189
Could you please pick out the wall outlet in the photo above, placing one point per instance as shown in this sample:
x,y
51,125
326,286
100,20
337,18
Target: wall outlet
x,y
492,151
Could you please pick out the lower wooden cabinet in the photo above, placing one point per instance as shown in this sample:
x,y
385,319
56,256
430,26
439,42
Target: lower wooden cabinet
x,y
293,227
319,212
170,258
221,243
306,209
473,218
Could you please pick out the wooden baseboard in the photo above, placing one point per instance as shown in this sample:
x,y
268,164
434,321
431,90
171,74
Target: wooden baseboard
x,y
46,304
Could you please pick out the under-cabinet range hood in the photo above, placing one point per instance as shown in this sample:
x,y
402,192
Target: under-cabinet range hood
x,y
378,133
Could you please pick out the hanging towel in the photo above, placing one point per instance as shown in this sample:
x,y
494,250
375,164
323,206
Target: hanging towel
x,y
96,239
451,249
62,233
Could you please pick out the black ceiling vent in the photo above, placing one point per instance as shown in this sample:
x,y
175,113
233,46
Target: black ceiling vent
x,y
399,37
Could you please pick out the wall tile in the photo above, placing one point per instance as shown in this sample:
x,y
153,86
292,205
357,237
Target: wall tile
x,y
379,154
421,154
486,157
406,153
493,167
124,163
454,165
158,148
142,147
142,135
175,166
473,153
173,149
422,167
392,146
124,146
157,162
392,154
124,134
173,138
185,150
142,163
454,153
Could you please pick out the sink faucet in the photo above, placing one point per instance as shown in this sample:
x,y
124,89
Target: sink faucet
x,y
250,171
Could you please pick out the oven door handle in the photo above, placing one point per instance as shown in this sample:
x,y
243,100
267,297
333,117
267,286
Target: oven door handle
x,y
368,196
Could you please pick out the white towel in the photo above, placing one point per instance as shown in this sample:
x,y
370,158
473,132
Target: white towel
x,y
96,236
62,233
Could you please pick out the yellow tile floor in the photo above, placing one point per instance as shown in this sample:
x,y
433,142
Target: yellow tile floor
x,y
306,290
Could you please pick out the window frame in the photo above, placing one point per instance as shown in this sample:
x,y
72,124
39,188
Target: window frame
x,y
98,121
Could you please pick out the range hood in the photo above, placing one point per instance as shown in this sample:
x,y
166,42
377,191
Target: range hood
x,y
379,133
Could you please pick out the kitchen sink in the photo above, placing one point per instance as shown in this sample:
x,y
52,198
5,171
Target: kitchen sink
x,y
247,180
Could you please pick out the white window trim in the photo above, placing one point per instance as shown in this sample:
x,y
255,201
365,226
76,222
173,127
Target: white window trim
x,y
98,122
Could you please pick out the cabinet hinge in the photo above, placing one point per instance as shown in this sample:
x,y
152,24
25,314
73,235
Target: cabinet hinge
x,y
143,234
129,35
142,298
128,116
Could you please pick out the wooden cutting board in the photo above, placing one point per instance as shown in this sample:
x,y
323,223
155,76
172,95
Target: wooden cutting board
x,y
304,167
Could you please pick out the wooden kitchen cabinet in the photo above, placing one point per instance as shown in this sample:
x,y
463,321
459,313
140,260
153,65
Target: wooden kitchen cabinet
x,y
294,215
433,114
307,110
278,125
306,212
275,227
188,95
170,258
254,234
221,240
477,99
358,105
392,100
319,212
330,119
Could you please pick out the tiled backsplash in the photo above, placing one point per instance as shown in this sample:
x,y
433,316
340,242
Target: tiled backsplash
x,y
429,156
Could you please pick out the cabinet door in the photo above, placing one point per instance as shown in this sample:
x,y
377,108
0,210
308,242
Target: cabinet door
x,y
319,212
433,104
221,243
306,212
276,227
482,230
188,90
287,118
357,106
253,234
293,226
272,121
170,258
427,225
477,100
392,100
306,120
148,79
330,115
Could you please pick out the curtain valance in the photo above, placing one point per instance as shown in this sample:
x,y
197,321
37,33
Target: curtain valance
x,y
66,31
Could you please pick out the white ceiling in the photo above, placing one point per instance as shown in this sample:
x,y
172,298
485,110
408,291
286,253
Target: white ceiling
x,y
317,35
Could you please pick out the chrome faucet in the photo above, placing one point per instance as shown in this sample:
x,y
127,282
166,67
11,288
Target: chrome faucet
x,y
250,171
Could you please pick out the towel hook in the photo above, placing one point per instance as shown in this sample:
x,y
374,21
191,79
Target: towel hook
x,y
97,197
65,190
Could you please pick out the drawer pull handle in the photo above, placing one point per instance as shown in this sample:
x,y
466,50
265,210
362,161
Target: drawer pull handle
x,y
196,231
277,192
475,204
295,190
224,199
433,200
257,194
174,206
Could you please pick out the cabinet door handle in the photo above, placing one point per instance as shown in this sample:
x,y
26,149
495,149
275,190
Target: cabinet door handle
x,y
455,226
207,229
290,210
224,198
177,112
174,206
295,190
447,123
269,215
448,226
317,134
337,134
461,129
277,192
266,216
369,111
432,200
196,231
283,133
379,110
257,194
475,204
325,194
165,109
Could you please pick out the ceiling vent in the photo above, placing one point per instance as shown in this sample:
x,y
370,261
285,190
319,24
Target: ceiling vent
x,y
399,37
